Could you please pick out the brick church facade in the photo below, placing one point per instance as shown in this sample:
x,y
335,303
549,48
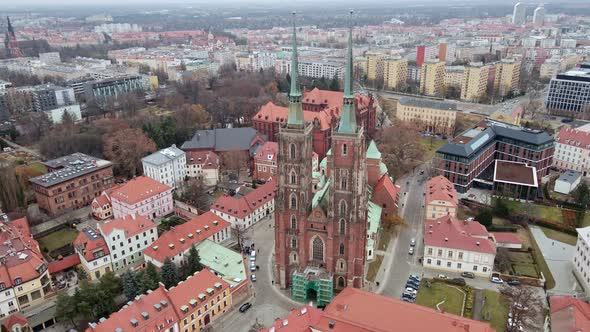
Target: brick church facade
x,y
322,219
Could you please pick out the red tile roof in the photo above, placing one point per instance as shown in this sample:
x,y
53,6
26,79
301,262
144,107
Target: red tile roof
x,y
101,201
506,237
131,224
20,252
268,152
193,232
192,287
64,263
14,319
449,232
569,314
240,207
385,184
297,320
573,137
89,245
138,189
208,159
439,188
272,113
160,320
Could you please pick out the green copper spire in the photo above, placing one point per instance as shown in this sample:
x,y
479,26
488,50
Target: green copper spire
x,y
295,110
348,119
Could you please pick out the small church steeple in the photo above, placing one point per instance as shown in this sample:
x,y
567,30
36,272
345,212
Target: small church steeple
x,y
348,118
295,119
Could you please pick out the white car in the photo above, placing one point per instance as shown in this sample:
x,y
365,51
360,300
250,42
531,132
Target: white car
x,y
441,276
411,290
497,280
411,251
413,242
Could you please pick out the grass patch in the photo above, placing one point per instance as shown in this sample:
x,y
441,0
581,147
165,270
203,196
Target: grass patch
x,y
430,145
586,221
495,310
430,297
520,257
384,237
525,269
57,239
559,236
541,264
374,267
545,212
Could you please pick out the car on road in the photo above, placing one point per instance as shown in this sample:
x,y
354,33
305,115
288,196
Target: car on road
x,y
253,267
459,281
413,242
253,277
468,275
441,276
411,251
497,280
513,282
253,253
252,258
244,307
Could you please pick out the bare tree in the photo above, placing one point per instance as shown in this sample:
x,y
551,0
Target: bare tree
x,y
525,308
235,161
194,194
400,147
240,233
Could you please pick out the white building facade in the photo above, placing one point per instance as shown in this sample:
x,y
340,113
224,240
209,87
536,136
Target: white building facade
x,y
167,166
581,260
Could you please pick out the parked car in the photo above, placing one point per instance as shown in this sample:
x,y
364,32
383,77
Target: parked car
x,y
513,282
409,295
497,280
252,258
413,285
413,242
415,278
441,276
468,275
459,281
411,291
253,267
244,307
411,251
253,277
253,253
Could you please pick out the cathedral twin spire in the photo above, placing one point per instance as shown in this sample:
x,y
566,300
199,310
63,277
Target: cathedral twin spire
x,y
348,117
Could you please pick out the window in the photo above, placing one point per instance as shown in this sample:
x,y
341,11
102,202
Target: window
x,y
448,264
292,151
341,249
342,226
474,267
429,261
293,242
450,254
344,149
485,269
430,251
439,252
438,262
293,177
343,182
460,255
318,249
458,265
342,208
293,222
293,201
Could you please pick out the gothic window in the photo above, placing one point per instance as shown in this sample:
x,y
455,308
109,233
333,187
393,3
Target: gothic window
x,y
292,151
293,242
293,222
293,177
344,149
341,282
342,226
341,249
317,249
342,208
293,201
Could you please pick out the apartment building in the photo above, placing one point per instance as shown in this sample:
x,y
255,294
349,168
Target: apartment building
x,y
101,90
321,68
474,151
126,238
572,150
39,98
428,115
167,166
72,182
265,162
142,196
190,306
203,165
395,73
432,78
569,92
454,76
24,277
94,253
245,211
441,198
375,66
458,246
475,82
176,242
507,77
581,260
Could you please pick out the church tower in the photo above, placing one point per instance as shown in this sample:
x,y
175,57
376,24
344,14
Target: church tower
x,y
348,191
294,180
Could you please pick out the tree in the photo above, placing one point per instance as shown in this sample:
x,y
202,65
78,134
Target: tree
x,y
193,261
393,220
12,196
82,275
485,217
525,307
148,278
169,273
582,194
235,161
65,309
400,147
125,149
501,208
110,283
194,194
334,84
502,261
240,233
130,284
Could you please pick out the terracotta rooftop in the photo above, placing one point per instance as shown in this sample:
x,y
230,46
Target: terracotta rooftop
x,y
439,188
272,113
449,232
180,238
208,159
569,314
297,320
516,173
64,263
506,237
91,244
138,189
130,224
240,207
386,185
573,137
268,152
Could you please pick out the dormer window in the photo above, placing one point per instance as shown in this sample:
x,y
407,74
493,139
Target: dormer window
x,y
18,281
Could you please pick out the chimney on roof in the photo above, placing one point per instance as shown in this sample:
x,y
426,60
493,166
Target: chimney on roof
x,y
477,243
331,324
446,239
133,216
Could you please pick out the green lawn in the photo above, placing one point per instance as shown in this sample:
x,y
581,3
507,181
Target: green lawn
x,y
384,237
496,309
541,264
546,212
430,145
374,267
57,239
430,297
524,269
559,236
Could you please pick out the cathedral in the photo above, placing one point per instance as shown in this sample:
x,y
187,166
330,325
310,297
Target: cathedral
x,y
328,214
